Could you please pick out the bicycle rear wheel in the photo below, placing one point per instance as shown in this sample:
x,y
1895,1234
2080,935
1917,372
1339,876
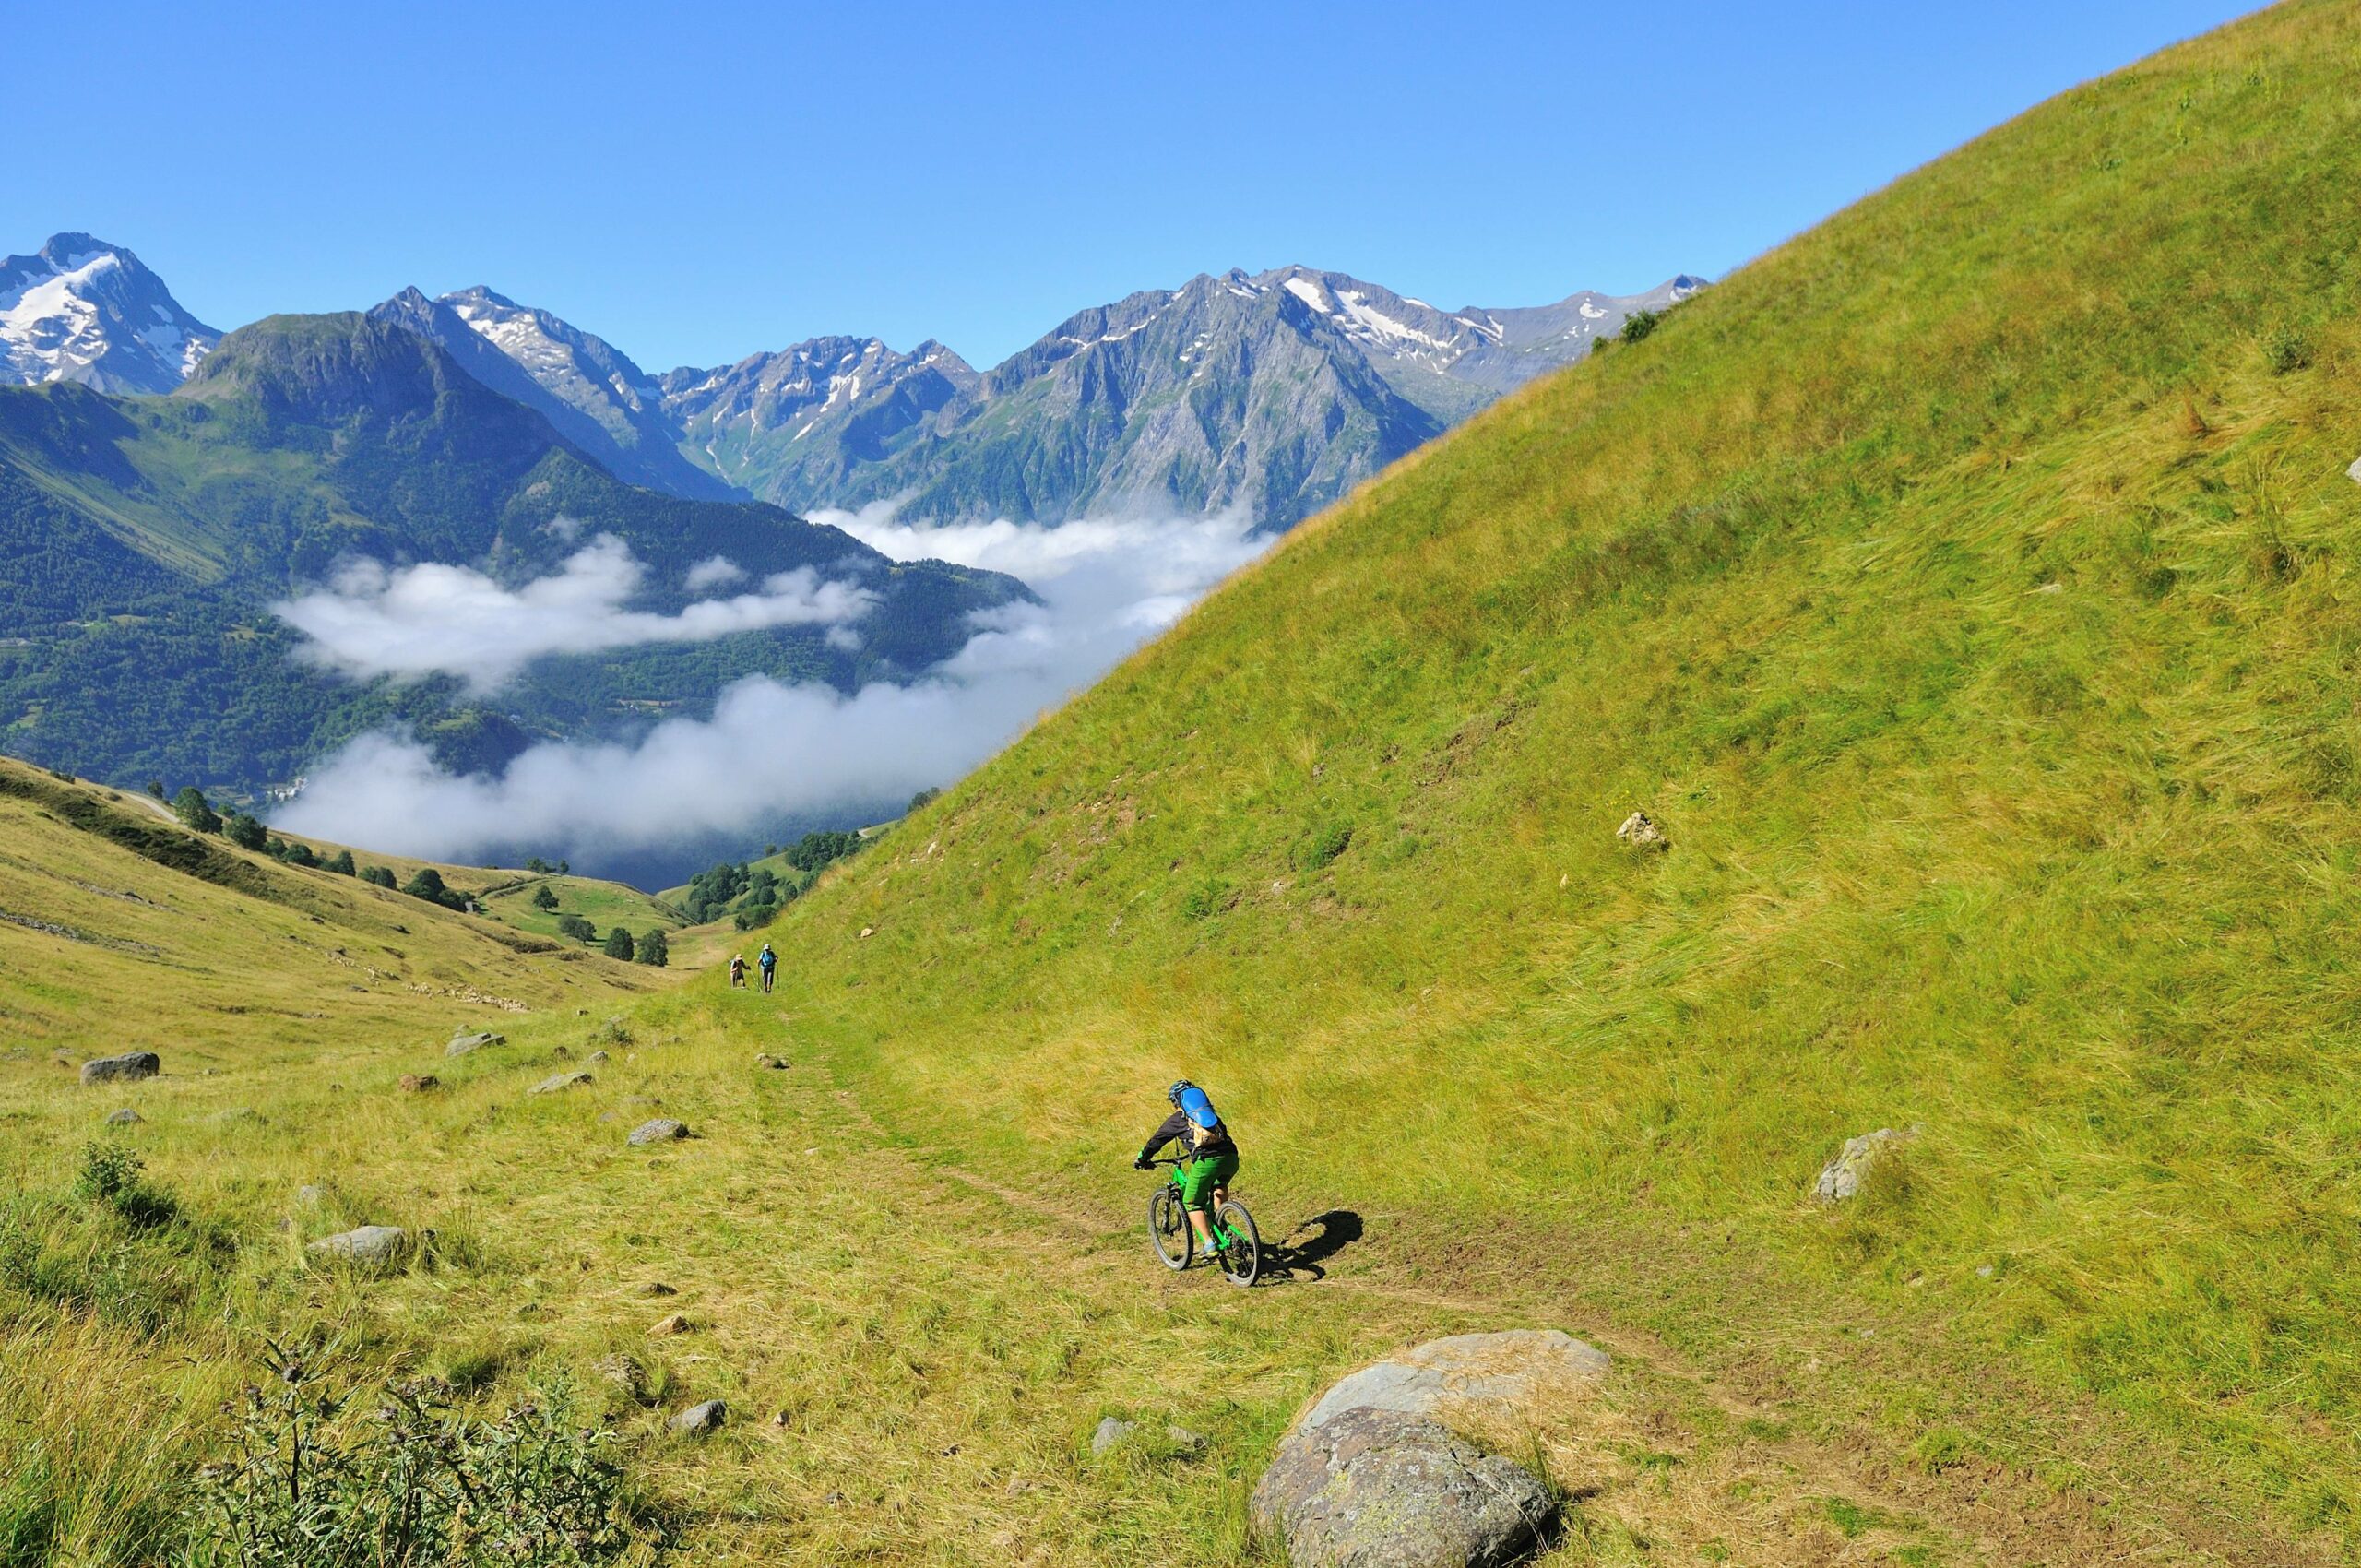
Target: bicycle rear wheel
x,y
1168,1228
1242,1261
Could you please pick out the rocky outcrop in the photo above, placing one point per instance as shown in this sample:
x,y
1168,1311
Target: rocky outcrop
x,y
1842,1178
556,1082
663,1130
372,1246
130,1066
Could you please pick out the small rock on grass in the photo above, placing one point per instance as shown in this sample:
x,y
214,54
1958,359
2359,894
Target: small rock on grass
x,y
699,1419
1843,1176
663,1130
418,1083
373,1245
653,1287
557,1081
131,1065
1111,1432
627,1374
463,1043
664,1329
126,1117
596,1057
767,1060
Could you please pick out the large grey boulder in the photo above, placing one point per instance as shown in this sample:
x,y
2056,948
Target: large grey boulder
x,y
1378,1474
1470,1374
371,1245
663,1130
463,1043
1385,1488
1842,1177
557,1081
130,1065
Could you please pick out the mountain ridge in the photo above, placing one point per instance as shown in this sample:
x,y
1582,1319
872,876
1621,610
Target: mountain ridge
x,y
82,310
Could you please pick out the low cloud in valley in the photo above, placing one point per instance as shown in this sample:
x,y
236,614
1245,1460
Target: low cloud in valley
x,y
773,751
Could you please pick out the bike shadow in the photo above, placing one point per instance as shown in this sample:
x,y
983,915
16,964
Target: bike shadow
x,y
1298,1255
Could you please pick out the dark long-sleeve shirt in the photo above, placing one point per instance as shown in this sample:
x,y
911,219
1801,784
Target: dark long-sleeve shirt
x,y
1177,1126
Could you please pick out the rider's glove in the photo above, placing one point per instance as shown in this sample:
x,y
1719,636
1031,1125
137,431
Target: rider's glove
x,y
1143,1163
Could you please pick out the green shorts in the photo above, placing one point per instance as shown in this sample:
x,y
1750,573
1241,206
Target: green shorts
x,y
1200,1177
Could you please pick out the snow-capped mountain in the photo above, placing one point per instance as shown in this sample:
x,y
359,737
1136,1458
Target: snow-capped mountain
x,y
589,389
805,421
1275,391
83,310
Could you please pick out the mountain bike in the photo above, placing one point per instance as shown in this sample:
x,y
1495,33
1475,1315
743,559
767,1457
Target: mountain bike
x,y
1237,1245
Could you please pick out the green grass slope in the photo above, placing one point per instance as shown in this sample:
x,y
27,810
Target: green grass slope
x,y
1967,587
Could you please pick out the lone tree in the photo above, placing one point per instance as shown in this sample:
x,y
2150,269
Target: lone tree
x,y
652,949
341,864
156,787
544,899
577,928
619,944
191,806
244,831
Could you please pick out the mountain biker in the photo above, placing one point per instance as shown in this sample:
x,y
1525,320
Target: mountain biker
x,y
1209,1159
769,961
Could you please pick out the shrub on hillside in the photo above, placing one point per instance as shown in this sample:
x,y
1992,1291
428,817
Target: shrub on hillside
x,y
2286,349
619,944
245,832
654,950
341,862
428,884
577,928
194,811
1637,324
377,876
544,899
754,915
417,1481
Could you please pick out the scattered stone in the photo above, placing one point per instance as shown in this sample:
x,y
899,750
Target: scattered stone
x,y
653,1287
663,1130
596,1057
627,1374
779,1418
607,1116
1184,1440
311,1193
1640,831
2353,473
557,1081
767,1060
867,931
1110,1433
211,1073
1984,1271
63,1058
641,1099
1386,1488
418,1083
126,1117
1018,1486
129,1067
1842,1177
664,1329
461,1045
835,1500
699,1419
373,1245
561,1053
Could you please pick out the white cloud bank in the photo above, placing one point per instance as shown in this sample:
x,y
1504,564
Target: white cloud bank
x,y
773,751
411,620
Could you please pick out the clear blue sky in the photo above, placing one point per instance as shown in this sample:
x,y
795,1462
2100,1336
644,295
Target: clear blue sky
x,y
698,180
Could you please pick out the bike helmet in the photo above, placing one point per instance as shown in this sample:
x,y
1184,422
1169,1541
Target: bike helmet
x,y
1180,1088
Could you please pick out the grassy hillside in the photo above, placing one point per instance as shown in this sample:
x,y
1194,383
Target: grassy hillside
x,y
1962,586
603,904
1966,586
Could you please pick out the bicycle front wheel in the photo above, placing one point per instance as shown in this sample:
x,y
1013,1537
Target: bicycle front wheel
x,y
1241,1260
1168,1228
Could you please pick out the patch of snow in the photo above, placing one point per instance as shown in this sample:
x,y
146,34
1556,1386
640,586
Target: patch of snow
x,y
1309,292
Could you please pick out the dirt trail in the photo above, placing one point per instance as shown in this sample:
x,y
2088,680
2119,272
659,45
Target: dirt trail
x,y
1674,1453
